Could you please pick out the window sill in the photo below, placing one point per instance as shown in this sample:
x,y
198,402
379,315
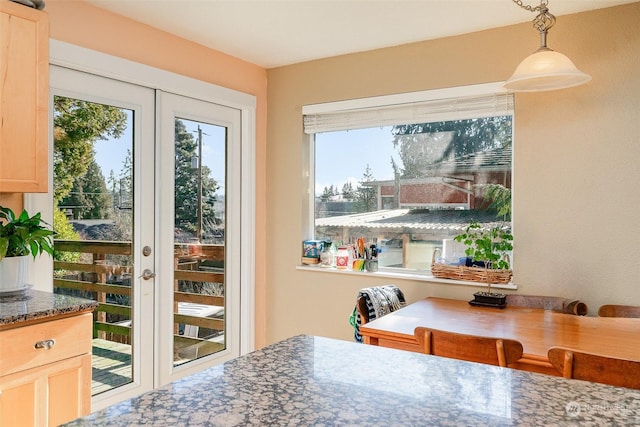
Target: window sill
x,y
405,275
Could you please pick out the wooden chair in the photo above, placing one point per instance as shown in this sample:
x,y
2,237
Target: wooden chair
x,y
610,310
492,351
386,297
361,306
373,302
595,368
559,304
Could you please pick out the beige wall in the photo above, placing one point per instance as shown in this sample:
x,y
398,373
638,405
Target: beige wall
x,y
84,25
576,164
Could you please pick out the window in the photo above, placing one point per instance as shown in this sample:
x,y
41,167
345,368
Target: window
x,y
409,172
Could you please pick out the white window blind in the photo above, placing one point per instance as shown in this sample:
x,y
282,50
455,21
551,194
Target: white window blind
x,y
433,110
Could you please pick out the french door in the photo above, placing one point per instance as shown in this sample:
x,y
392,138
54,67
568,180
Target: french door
x,y
199,142
146,201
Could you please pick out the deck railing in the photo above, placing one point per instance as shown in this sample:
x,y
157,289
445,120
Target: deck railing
x,y
103,272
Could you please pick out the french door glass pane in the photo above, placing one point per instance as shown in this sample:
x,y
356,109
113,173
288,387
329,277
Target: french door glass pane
x,y
199,240
93,217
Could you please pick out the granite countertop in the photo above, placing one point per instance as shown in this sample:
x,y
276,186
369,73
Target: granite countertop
x,y
313,381
32,305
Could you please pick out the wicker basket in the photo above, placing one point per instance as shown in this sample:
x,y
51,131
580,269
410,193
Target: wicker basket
x,y
474,274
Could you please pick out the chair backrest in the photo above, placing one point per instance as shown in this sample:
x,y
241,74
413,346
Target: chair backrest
x,y
610,310
374,302
361,306
492,351
559,304
595,368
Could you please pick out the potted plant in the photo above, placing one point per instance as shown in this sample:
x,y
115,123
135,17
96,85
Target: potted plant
x,y
20,237
488,249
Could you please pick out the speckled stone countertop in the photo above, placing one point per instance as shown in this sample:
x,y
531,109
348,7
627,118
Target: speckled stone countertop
x,y
32,305
312,381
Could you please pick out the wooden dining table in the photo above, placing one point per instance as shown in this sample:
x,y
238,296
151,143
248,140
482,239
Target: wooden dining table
x,y
537,330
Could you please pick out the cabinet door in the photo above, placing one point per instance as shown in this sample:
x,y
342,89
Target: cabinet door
x,y
24,86
18,397
47,396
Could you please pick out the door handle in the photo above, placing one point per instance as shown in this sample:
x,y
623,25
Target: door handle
x,y
147,274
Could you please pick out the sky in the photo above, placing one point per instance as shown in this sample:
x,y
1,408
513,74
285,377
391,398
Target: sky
x,y
340,156
343,156
110,153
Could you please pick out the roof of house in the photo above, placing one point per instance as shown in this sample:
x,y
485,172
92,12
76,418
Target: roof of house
x,y
497,159
414,219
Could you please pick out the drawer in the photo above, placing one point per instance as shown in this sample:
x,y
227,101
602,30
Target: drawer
x,y
72,336
400,345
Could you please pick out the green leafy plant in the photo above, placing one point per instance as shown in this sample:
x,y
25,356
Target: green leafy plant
x,y
488,245
499,198
24,235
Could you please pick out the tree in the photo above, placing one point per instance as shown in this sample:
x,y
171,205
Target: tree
x,y
125,183
89,198
348,192
64,231
429,143
366,196
499,198
77,125
95,189
327,194
186,185
113,187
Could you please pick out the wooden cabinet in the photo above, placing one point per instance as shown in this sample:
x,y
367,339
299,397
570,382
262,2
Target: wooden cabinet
x,y
45,372
24,91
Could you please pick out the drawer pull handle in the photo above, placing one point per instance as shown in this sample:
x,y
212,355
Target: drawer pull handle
x,y
46,344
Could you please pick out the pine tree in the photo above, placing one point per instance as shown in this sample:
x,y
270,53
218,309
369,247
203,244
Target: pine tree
x,y
366,196
186,185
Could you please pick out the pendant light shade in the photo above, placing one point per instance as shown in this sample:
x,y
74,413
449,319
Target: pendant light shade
x,y
543,70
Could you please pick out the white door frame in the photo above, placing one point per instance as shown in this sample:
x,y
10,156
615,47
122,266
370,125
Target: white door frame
x,y
90,61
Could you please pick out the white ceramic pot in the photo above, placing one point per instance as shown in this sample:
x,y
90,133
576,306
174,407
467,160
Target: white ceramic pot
x,y
13,272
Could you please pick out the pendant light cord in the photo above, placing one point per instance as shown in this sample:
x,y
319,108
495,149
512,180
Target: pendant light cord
x,y
542,22
543,3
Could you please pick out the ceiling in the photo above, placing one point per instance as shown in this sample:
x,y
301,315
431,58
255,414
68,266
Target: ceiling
x,y
272,33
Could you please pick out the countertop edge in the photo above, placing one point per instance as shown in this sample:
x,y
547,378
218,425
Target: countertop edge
x,y
39,306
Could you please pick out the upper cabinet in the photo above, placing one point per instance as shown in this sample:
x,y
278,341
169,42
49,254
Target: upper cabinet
x,y
24,88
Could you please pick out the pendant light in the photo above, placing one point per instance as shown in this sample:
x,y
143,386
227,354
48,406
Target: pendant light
x,y
544,69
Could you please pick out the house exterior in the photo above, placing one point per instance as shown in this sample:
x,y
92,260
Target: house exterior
x,y
452,184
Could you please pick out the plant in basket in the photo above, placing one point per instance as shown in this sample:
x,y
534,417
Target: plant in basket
x,y
488,249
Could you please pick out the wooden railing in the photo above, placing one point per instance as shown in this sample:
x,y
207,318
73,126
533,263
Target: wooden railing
x,y
103,272
198,264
